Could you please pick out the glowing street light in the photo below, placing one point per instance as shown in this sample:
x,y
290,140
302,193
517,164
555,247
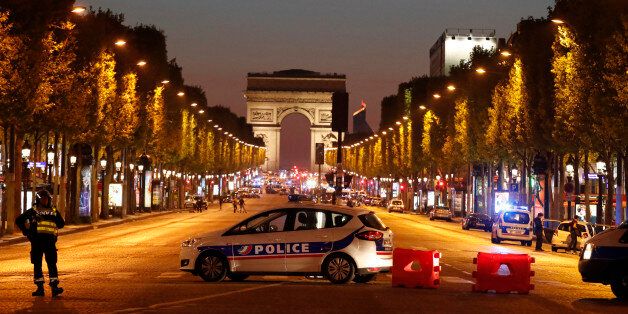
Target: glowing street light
x,y
180,94
165,82
78,10
193,104
557,21
480,70
422,107
506,53
120,42
201,111
141,63
405,117
398,123
437,96
451,87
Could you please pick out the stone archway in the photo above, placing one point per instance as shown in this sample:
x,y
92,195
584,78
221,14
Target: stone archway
x,y
270,97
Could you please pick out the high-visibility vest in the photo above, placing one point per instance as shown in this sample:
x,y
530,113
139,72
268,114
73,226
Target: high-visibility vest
x,y
46,221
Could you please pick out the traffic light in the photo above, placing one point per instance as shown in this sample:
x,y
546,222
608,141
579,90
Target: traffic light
x,y
320,153
340,112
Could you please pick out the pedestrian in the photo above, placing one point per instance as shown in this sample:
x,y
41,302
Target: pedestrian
x,y
220,203
538,232
242,209
40,225
574,234
235,205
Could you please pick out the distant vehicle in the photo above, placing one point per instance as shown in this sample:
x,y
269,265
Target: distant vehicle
x,y
441,212
189,202
301,198
477,221
604,259
395,205
341,244
200,203
512,225
562,236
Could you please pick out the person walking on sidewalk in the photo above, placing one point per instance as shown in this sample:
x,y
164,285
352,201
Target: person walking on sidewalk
x,y
40,225
235,205
242,209
538,232
220,203
574,234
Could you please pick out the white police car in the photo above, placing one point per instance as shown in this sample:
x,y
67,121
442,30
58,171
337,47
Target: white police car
x,y
604,259
512,225
340,243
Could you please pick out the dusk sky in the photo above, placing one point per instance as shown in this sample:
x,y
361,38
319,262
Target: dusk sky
x,y
377,44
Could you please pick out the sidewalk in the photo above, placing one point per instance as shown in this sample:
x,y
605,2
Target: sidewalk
x,y
9,239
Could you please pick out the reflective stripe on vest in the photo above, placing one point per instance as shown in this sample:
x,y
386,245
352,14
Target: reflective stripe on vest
x,y
46,226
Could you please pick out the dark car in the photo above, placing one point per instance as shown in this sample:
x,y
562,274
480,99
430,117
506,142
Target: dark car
x,y
477,221
199,203
301,198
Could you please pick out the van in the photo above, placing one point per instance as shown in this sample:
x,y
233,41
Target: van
x,y
512,225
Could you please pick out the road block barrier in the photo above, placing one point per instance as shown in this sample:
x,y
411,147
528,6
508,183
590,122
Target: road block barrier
x,y
503,273
415,268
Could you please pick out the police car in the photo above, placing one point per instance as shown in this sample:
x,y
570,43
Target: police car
x,y
604,259
339,243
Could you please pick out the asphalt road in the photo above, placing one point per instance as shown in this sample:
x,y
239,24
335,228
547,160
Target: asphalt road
x,y
133,267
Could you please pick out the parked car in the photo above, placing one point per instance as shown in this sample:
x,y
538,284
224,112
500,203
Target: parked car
x,y
549,226
200,203
395,205
301,198
562,236
512,225
477,221
441,212
598,228
189,202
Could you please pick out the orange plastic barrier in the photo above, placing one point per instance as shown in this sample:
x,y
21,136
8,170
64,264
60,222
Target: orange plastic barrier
x,y
503,273
414,268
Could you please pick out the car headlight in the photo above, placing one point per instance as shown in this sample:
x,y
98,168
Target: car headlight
x,y
588,251
188,242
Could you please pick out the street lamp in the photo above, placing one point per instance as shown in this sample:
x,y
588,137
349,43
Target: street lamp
x,y
72,160
600,167
78,10
26,154
557,21
120,42
118,165
50,153
480,71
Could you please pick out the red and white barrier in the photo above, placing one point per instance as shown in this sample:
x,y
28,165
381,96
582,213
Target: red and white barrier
x,y
503,273
416,269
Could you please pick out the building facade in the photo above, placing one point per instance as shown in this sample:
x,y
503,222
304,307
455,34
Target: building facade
x,y
455,45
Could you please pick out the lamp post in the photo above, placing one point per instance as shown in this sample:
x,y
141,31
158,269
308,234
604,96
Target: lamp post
x,y
103,202
600,167
118,165
569,187
26,153
140,169
50,153
131,176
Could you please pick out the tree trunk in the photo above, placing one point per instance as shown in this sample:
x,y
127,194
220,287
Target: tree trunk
x,y
107,178
587,186
561,188
576,182
610,192
95,204
62,205
12,179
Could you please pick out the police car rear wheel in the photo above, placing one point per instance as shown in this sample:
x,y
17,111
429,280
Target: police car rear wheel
x,y
212,267
339,269
364,278
620,288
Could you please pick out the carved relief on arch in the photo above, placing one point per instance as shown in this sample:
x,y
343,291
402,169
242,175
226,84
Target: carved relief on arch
x,y
328,139
282,112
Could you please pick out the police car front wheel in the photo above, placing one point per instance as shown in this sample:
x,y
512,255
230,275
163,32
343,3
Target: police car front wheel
x,y
212,267
339,269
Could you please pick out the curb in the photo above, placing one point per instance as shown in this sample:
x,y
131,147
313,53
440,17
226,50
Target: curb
x,y
22,239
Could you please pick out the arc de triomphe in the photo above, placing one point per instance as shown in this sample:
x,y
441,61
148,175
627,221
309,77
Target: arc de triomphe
x,y
270,97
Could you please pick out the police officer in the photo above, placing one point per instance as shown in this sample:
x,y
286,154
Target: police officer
x,y
574,234
40,224
538,232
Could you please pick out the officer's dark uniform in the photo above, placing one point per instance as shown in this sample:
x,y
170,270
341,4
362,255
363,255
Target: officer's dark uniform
x,y
40,224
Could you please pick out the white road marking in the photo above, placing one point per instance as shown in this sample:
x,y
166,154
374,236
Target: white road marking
x,y
171,275
176,303
451,279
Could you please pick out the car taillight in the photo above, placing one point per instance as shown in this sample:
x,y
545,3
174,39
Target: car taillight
x,y
370,235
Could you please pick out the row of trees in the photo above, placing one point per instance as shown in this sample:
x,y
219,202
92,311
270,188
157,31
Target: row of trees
x,y
71,76
557,90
